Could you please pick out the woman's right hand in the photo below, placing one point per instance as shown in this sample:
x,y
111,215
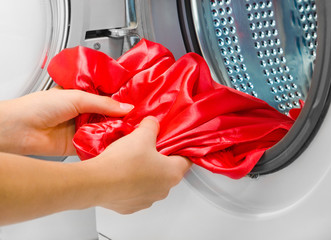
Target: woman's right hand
x,y
132,174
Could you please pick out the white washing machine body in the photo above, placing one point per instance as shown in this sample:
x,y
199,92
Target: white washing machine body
x,y
289,202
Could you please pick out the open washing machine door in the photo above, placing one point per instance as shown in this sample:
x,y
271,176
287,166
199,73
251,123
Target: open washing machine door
x,y
278,45
34,32
31,33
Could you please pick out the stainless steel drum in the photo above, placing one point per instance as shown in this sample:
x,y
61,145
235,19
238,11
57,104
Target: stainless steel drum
x,y
263,48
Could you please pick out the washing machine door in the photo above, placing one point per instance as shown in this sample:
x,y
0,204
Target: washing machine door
x,y
31,33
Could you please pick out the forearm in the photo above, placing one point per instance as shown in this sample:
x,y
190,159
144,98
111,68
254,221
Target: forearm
x,y
33,188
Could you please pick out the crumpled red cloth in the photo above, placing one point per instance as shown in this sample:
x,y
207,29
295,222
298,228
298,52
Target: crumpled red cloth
x,y
295,112
216,127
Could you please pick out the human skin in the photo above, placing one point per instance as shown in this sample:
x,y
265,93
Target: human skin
x,y
128,176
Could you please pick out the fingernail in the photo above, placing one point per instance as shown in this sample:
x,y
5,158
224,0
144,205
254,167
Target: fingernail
x,y
126,106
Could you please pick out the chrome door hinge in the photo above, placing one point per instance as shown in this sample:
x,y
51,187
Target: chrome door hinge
x,y
124,32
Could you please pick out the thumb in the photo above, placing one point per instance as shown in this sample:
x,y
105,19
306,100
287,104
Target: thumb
x,y
149,128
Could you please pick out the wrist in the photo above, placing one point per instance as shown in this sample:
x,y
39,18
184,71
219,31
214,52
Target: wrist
x,y
14,137
96,185
6,134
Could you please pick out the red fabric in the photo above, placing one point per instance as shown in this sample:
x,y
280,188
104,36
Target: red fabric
x,y
295,112
216,127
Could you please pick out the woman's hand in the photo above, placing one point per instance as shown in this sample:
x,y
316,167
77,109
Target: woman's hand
x,y
132,174
42,123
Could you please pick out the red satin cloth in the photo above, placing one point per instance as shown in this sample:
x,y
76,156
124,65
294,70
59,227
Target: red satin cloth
x,y
216,127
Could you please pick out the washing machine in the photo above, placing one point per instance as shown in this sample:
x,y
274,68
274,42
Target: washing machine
x,y
276,50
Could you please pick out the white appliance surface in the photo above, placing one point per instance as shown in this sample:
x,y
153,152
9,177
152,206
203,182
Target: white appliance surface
x,y
70,225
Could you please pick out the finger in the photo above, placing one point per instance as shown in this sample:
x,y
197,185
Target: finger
x,y
149,128
180,163
91,103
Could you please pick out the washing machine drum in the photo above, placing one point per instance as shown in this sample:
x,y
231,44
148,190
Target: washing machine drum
x,y
279,51
274,50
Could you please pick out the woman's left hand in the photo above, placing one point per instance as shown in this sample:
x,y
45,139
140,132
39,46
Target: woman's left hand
x,y
42,123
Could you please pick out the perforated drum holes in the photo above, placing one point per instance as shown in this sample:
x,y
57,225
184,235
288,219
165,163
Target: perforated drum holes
x,y
267,47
